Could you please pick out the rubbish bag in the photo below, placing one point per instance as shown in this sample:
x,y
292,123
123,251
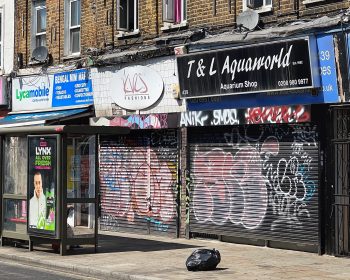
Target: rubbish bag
x,y
203,259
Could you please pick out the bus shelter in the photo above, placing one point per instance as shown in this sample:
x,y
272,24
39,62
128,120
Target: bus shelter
x,y
50,190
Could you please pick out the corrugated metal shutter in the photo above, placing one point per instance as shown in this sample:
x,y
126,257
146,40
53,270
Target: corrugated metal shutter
x,y
255,182
138,183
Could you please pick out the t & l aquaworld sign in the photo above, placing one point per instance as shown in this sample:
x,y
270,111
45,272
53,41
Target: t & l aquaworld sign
x,y
276,66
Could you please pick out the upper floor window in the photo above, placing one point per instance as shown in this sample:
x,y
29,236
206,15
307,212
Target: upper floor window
x,y
127,15
38,24
258,5
174,11
72,27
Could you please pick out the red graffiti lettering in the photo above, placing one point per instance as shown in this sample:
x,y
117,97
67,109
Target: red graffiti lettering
x,y
277,114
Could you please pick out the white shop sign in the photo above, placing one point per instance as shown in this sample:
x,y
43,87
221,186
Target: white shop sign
x,y
136,87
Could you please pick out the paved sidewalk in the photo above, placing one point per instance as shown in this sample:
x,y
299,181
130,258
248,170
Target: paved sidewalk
x,y
130,256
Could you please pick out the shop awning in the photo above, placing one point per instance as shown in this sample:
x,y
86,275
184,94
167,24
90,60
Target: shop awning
x,y
41,118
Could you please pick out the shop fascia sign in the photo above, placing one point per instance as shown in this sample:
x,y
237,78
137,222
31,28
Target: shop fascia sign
x,y
61,90
136,87
32,93
277,66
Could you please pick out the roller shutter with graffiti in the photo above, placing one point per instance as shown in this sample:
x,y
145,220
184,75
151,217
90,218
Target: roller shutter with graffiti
x,y
258,181
138,182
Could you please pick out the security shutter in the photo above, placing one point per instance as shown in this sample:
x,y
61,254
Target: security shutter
x,y
255,182
138,179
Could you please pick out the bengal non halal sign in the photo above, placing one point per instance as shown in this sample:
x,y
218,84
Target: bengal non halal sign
x,y
276,66
136,87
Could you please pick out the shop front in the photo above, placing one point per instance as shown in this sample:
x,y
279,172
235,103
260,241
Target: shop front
x,y
139,172
255,140
257,183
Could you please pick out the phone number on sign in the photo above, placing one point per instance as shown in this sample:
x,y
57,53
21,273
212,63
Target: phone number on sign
x,y
295,82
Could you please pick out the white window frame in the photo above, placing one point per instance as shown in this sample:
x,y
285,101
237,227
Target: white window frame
x,y
2,37
68,29
171,23
136,17
37,5
263,9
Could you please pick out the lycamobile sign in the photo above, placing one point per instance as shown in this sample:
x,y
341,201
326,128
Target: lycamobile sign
x,y
34,93
272,66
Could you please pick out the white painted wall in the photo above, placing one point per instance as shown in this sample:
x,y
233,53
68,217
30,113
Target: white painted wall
x,y
8,7
165,66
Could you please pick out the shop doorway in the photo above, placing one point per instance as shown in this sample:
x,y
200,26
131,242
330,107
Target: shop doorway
x,y
341,172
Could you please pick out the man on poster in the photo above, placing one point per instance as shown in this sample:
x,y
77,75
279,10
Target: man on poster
x,y
37,204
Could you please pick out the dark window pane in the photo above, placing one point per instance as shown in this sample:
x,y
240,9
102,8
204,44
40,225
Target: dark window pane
x,y
131,15
75,13
75,40
41,40
123,14
41,20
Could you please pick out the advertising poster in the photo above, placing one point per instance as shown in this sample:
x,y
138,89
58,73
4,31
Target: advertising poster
x,y
42,181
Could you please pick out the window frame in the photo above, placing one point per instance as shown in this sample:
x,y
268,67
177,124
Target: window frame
x,y
173,20
68,41
37,5
136,17
264,8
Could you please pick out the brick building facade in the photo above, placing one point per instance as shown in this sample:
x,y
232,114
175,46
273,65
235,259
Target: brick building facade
x,y
177,179
99,27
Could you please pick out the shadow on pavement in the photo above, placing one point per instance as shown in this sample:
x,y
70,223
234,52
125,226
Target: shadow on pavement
x,y
115,244
108,243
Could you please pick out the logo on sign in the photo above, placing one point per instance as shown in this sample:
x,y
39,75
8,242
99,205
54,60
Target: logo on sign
x,y
35,93
137,87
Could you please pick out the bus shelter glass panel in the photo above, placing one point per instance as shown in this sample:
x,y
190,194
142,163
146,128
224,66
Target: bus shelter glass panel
x,y
15,215
15,165
80,220
15,156
81,198
81,167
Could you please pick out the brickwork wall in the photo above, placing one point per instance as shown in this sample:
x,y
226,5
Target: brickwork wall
x,y
54,32
148,22
223,13
206,14
98,24
21,31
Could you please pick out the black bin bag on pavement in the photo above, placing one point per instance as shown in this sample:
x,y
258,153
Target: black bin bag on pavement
x,y
203,259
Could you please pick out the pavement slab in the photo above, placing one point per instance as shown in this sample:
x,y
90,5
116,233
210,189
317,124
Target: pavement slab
x,y
131,256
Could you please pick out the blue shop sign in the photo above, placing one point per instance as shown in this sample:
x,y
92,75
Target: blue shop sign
x,y
328,92
72,88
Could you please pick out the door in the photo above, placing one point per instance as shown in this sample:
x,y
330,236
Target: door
x,y
341,178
